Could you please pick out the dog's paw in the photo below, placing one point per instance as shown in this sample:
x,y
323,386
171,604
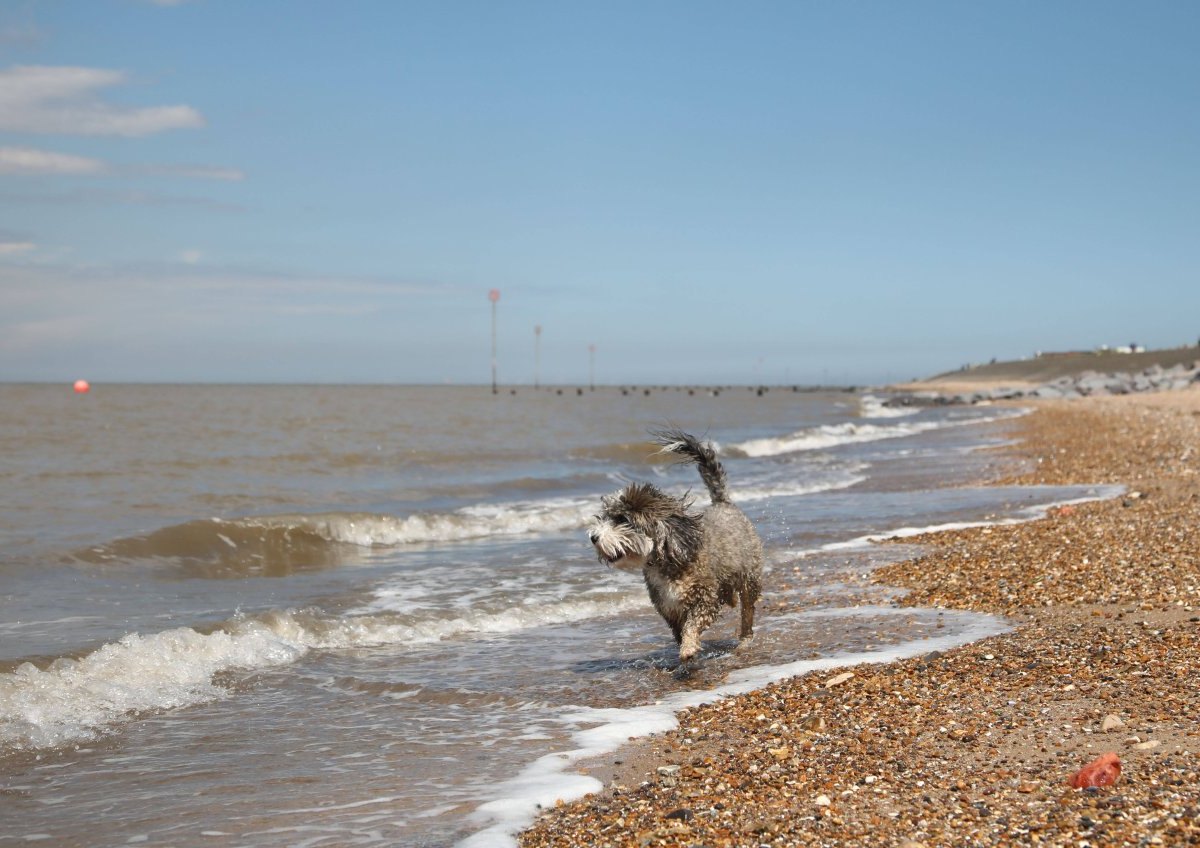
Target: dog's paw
x,y
683,671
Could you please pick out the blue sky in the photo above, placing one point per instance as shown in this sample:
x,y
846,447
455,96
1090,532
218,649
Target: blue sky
x,y
708,192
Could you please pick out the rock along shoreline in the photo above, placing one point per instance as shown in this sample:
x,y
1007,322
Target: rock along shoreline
x,y
1156,378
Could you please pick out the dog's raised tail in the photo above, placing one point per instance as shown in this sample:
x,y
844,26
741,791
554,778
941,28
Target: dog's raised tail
x,y
701,453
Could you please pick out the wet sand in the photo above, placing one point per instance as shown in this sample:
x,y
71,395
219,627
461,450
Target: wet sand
x,y
974,746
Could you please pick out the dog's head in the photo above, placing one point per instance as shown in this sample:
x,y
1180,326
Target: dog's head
x,y
640,522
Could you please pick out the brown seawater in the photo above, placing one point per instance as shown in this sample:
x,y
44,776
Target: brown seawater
x,y
342,615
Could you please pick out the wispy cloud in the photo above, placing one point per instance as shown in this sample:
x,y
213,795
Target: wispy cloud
x,y
67,101
10,248
27,160
30,161
49,332
195,172
125,197
14,244
48,288
151,320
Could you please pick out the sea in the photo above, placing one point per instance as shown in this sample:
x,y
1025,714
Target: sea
x,y
288,615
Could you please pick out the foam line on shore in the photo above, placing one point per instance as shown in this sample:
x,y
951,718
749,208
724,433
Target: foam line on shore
x,y
548,779
835,435
1032,513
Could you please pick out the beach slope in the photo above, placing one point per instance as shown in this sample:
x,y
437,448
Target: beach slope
x,y
975,746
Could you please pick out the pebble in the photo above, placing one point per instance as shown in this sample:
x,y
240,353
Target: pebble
x,y
839,679
813,724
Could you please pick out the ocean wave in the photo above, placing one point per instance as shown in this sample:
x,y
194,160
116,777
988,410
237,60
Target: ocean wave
x,y
71,700
75,700
828,436
870,406
277,545
844,480
834,435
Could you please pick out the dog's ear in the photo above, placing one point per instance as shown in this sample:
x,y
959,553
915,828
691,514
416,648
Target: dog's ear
x,y
678,538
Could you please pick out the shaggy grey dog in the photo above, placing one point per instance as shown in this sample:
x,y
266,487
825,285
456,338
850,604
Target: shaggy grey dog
x,y
692,561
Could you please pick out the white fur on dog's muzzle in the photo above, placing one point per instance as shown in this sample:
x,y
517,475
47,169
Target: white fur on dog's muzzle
x,y
619,545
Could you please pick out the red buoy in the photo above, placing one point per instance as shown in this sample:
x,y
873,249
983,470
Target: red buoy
x,y
82,387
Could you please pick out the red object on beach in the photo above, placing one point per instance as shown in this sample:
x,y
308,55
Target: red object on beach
x,y
1102,771
494,295
82,387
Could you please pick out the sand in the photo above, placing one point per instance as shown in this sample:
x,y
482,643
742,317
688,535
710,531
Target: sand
x,y
974,746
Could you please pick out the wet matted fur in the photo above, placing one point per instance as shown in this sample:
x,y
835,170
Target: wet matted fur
x,y
692,561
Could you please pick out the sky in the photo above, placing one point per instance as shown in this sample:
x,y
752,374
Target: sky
x,y
751,192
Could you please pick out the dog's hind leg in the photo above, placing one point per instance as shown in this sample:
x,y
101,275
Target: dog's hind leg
x,y
748,597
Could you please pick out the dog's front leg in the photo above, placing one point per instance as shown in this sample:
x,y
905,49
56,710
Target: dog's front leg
x,y
689,644
697,621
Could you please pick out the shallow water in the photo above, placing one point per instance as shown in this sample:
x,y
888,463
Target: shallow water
x,y
290,615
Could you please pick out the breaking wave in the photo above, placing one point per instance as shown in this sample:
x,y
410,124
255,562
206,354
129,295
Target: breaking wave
x,y
834,435
870,406
75,700
276,545
279,543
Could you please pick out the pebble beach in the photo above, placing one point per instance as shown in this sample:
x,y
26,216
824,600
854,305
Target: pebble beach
x,y
974,746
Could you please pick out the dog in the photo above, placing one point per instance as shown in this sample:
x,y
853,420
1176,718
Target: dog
x,y
692,562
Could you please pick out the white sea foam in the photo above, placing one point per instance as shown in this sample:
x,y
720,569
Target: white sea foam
x,y
848,478
528,517
833,435
478,521
522,617
71,699
473,522
1031,513
77,699
548,779
873,407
